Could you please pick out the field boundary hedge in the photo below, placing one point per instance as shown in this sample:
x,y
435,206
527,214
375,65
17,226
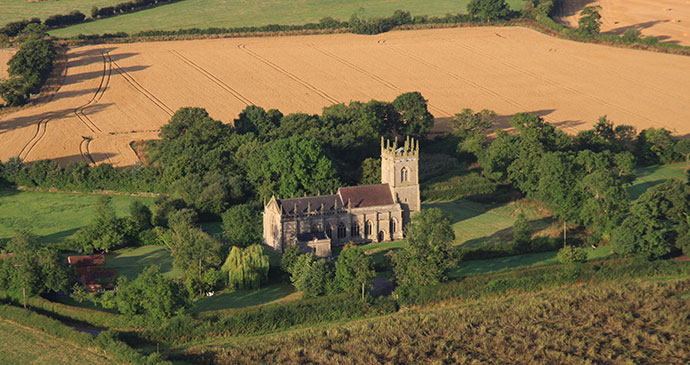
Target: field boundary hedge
x,y
542,24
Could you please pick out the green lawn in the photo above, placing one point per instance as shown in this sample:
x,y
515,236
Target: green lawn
x,y
54,217
238,13
475,267
131,261
244,298
476,222
654,175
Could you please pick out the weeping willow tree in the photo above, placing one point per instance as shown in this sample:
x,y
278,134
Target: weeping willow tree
x,y
246,268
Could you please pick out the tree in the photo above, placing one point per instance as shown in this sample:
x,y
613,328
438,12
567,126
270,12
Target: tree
x,y
30,269
289,258
353,270
522,233
471,128
371,171
489,10
246,268
427,255
242,225
141,214
106,230
254,119
194,252
151,295
291,167
415,119
589,23
682,148
658,222
311,276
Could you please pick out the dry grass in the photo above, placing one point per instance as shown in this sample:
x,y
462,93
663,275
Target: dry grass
x,y
667,19
605,323
116,94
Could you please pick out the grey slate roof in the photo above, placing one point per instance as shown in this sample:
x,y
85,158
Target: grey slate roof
x,y
357,196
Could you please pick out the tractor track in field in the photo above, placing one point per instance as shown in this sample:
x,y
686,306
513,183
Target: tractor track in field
x,y
213,78
38,135
102,86
545,80
371,75
142,90
290,75
84,150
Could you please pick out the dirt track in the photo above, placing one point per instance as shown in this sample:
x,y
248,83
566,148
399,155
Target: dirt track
x,y
667,19
116,94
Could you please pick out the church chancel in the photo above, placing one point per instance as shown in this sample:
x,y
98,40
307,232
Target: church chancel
x,y
359,214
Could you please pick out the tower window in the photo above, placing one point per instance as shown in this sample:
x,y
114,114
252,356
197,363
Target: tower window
x,y
403,174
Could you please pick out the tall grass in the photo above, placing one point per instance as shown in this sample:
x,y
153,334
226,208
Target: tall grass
x,y
606,323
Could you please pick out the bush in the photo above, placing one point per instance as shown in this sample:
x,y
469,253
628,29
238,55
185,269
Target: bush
x,y
59,20
570,254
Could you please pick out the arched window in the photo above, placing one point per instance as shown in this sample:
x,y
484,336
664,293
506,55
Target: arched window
x,y
342,231
329,231
403,174
368,228
394,225
354,230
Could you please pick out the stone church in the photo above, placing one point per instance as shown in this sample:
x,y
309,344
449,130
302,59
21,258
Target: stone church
x,y
359,214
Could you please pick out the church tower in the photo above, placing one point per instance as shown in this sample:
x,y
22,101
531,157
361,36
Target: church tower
x,y
400,170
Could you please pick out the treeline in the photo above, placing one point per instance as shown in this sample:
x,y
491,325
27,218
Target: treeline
x,y
30,67
210,165
126,7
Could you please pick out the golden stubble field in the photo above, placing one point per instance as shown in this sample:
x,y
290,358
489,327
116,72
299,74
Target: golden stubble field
x,y
667,19
115,94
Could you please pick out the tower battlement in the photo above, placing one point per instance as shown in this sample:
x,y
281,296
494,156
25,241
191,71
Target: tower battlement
x,y
409,149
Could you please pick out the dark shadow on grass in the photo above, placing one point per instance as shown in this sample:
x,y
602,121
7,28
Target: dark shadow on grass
x,y
58,236
243,298
636,190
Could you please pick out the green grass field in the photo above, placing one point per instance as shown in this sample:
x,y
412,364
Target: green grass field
x,y
131,261
12,10
239,13
654,175
23,345
246,298
53,217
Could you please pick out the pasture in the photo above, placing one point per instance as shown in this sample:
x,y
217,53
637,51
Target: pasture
x,y
115,94
24,345
232,13
53,217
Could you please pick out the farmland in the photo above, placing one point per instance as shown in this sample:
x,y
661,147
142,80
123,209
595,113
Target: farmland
x,y
667,19
231,13
116,94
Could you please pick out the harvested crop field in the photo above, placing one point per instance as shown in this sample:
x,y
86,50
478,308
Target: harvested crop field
x,y
115,94
667,19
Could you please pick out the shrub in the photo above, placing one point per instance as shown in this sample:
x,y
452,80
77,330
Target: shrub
x,y
570,254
